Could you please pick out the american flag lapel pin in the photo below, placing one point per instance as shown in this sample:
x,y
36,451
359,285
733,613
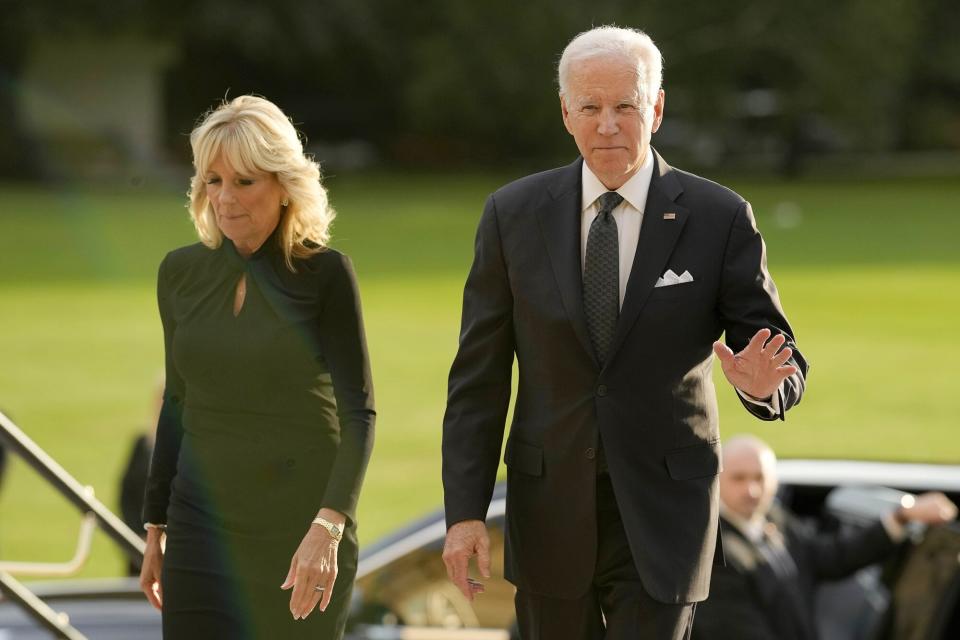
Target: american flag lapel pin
x,y
670,216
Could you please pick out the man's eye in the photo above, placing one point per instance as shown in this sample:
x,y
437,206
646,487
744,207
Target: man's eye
x,y
589,108
626,106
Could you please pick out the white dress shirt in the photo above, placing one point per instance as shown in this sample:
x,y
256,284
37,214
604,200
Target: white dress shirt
x,y
629,216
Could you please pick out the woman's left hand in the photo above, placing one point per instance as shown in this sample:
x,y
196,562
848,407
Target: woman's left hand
x,y
313,565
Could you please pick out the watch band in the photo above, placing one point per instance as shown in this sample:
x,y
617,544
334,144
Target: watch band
x,y
333,529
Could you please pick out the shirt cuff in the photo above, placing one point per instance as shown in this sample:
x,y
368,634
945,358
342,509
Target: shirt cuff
x,y
153,525
773,404
896,531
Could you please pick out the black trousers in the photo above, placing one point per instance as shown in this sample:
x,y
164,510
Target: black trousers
x,y
616,607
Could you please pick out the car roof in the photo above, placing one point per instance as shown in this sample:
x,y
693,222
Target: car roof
x,y
902,475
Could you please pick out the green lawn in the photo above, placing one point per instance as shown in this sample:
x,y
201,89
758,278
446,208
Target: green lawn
x,y
867,271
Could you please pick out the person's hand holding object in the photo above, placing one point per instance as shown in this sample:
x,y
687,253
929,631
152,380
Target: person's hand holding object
x,y
464,540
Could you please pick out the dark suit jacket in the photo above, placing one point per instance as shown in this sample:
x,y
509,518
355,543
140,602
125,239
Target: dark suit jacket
x,y
653,403
756,597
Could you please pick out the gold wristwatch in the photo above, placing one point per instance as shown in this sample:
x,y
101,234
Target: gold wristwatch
x,y
334,530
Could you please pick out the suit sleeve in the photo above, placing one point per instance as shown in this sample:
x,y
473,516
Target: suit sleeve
x,y
163,464
344,345
479,384
837,555
749,302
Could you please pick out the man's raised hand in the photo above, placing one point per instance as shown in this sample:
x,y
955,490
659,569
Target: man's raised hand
x,y
759,369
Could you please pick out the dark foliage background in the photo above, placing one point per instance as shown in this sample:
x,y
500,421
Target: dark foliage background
x,y
460,82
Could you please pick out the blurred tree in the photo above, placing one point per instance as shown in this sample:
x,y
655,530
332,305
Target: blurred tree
x,y
447,82
477,82
325,63
782,67
928,114
24,24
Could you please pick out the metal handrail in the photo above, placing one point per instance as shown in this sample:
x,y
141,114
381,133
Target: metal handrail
x,y
58,569
83,499
57,623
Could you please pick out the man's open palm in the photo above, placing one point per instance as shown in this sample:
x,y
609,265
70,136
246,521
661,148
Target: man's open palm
x,y
759,369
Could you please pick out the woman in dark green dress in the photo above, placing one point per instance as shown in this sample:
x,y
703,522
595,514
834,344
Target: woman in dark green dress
x,y
267,418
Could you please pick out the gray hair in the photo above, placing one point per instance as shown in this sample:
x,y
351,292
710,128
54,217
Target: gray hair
x,y
632,45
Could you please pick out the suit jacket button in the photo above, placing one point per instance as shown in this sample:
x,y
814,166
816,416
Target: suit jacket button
x,y
591,453
291,463
602,390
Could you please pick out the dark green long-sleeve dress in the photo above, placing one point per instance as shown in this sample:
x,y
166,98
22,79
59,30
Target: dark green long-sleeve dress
x,y
267,416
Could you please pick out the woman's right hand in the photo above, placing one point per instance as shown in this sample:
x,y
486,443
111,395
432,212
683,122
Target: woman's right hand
x,y
150,570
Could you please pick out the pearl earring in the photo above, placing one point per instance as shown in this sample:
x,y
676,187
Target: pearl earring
x,y
284,202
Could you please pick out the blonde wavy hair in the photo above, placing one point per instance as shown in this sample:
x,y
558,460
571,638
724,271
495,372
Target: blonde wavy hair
x,y
254,135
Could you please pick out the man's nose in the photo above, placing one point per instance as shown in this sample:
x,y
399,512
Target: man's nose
x,y
608,123
755,490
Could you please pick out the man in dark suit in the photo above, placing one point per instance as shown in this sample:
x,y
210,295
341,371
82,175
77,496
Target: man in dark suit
x,y
775,561
610,280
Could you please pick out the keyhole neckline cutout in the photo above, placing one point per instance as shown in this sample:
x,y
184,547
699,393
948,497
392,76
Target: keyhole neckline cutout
x,y
240,295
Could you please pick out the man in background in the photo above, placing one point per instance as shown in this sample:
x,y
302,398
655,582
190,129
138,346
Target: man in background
x,y
774,562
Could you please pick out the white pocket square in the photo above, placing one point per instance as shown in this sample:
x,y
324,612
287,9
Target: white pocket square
x,y
670,278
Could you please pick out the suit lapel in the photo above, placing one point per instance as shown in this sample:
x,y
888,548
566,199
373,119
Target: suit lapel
x,y
658,235
559,220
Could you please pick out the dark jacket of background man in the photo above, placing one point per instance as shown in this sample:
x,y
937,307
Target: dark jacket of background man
x,y
766,590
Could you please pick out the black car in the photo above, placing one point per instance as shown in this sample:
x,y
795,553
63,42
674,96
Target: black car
x,y
402,591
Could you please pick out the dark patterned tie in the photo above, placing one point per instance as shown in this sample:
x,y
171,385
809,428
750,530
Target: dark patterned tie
x,y
601,276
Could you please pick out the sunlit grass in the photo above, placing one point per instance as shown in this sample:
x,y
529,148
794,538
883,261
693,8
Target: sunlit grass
x,y
867,273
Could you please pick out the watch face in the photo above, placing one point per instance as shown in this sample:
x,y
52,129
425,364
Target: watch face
x,y
335,530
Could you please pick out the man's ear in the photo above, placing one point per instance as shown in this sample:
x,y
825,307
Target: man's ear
x,y
566,115
658,111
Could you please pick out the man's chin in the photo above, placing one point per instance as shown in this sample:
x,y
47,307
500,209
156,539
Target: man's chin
x,y
612,173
